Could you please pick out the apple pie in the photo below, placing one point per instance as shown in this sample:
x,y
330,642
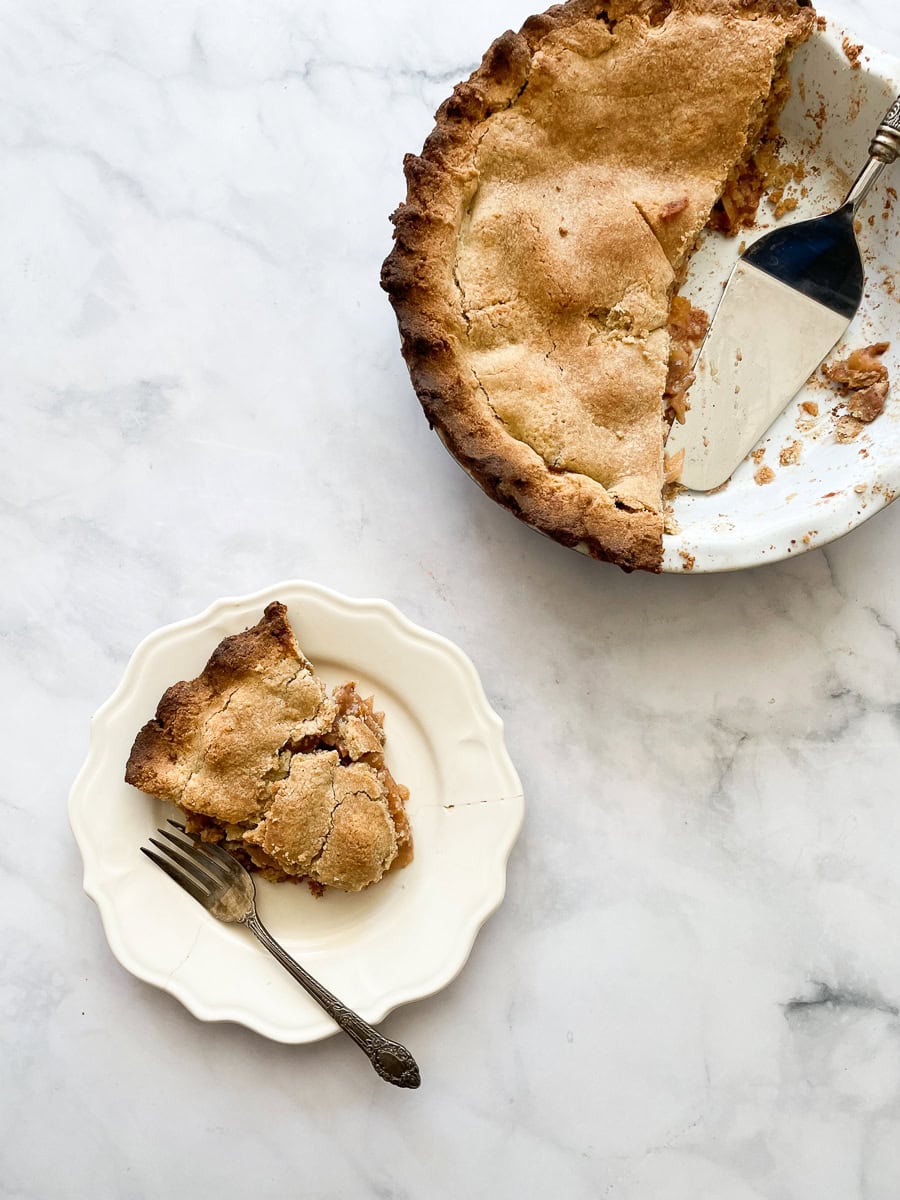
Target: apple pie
x,y
547,226
287,776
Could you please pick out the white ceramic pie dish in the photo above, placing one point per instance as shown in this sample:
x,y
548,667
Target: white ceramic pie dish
x,y
827,125
400,940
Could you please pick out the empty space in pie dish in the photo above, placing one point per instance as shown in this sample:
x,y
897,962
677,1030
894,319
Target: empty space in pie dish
x,y
826,125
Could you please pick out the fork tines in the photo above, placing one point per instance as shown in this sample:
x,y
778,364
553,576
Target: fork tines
x,y
203,871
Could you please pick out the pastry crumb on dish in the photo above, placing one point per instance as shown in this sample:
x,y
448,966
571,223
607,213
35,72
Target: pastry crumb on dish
x,y
852,51
547,227
288,777
862,381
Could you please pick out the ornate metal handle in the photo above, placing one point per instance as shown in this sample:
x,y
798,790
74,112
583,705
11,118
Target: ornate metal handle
x,y
886,142
393,1062
883,149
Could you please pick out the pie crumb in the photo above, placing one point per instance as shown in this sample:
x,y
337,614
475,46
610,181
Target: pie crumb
x,y
811,407
764,475
688,560
847,428
790,455
861,380
852,52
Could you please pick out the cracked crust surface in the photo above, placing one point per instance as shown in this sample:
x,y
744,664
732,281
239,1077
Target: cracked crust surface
x,y
330,823
246,750
547,222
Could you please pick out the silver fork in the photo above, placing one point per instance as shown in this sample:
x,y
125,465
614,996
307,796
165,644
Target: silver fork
x,y
218,881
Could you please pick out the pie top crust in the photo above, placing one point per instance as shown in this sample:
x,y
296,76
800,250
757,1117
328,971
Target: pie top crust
x,y
547,224
261,756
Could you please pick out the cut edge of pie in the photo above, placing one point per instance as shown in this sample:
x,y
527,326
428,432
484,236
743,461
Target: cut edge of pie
x,y
490,356
262,759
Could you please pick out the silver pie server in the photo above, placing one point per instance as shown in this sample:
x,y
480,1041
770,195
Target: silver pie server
x,y
788,300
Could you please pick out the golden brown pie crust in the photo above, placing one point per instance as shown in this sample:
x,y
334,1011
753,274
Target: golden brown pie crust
x,y
547,224
291,779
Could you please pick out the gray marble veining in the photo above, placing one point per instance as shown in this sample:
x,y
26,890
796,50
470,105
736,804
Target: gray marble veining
x,y
693,986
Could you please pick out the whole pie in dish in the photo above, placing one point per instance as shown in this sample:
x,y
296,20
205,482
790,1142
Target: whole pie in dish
x,y
289,778
547,226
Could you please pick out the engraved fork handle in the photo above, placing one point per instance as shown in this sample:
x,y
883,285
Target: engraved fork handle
x,y
883,149
392,1061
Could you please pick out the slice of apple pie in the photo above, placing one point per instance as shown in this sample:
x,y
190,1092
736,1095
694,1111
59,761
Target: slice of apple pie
x,y
288,777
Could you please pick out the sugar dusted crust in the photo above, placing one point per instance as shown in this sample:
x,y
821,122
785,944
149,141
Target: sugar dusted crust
x,y
546,226
260,757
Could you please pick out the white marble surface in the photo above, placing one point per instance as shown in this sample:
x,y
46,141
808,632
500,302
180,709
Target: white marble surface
x,y
693,987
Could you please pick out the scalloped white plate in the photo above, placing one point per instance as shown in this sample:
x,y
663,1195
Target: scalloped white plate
x,y
402,939
827,125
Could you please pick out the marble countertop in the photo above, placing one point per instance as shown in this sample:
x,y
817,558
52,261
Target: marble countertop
x,y
693,987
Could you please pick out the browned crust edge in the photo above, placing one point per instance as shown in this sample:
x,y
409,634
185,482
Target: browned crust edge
x,y
160,741
573,509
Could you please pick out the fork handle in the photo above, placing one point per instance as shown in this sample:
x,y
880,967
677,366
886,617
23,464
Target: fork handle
x,y
393,1062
